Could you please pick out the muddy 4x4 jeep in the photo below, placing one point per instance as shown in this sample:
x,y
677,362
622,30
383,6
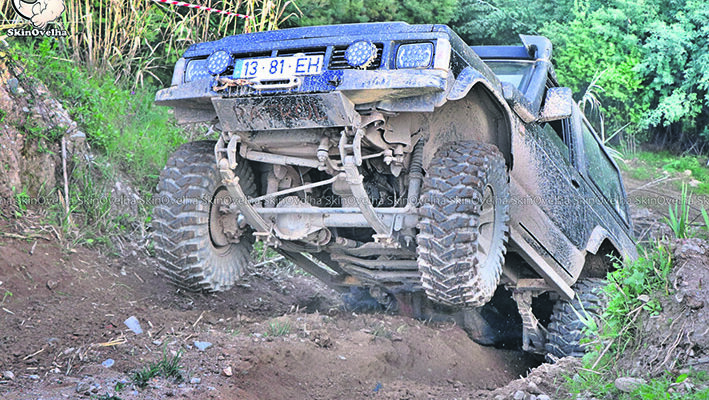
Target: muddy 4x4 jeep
x,y
398,159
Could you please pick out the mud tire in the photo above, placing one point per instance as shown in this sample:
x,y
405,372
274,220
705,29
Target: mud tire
x,y
183,244
566,328
453,270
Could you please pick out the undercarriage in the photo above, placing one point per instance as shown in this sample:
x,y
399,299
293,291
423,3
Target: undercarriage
x,y
350,192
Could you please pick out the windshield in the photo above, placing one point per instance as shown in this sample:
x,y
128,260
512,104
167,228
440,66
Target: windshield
x,y
515,72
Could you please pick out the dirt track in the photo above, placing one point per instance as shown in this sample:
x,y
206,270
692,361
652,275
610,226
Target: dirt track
x,y
62,316
66,311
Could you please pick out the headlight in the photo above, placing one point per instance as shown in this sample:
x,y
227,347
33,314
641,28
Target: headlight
x,y
361,54
415,55
218,62
196,69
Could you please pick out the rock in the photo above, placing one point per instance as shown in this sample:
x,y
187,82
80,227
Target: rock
x,y
8,375
519,395
34,377
52,284
694,303
227,371
202,345
108,363
133,324
691,245
543,397
196,381
83,387
499,397
628,384
13,84
533,388
124,197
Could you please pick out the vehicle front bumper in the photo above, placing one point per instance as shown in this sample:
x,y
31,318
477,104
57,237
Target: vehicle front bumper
x,y
196,101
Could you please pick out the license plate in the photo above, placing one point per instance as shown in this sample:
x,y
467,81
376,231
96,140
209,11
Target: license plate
x,y
277,68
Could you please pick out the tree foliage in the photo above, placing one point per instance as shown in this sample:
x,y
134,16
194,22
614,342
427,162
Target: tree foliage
x,y
648,60
645,61
675,70
322,12
501,21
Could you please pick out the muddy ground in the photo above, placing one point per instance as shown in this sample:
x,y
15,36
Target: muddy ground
x,y
280,334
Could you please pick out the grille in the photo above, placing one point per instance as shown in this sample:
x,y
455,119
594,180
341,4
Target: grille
x,y
337,61
315,51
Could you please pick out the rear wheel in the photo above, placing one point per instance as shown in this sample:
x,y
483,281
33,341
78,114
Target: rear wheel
x,y
200,238
464,224
569,319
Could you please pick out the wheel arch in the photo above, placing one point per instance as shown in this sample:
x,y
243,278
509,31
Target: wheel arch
x,y
472,86
596,261
601,240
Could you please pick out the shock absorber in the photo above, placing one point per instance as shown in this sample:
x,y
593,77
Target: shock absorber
x,y
416,172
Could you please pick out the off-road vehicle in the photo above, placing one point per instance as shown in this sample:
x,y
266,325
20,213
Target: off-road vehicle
x,y
397,159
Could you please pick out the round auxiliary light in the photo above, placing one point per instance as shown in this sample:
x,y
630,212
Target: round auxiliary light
x,y
218,62
361,54
196,69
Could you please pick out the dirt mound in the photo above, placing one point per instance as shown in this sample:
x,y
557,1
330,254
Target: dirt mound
x,y
32,123
677,336
542,383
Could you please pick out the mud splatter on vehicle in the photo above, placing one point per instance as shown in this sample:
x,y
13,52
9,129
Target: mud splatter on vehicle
x,y
445,180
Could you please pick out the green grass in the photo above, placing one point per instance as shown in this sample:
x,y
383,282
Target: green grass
x,y
602,387
168,367
651,165
22,199
678,216
278,328
633,290
263,252
132,132
5,296
124,129
380,331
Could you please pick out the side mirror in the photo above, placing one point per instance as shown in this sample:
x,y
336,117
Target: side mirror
x,y
557,104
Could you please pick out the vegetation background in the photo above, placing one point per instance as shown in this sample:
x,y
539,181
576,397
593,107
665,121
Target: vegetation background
x,y
646,62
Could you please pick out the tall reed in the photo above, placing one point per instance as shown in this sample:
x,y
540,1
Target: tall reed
x,y
134,39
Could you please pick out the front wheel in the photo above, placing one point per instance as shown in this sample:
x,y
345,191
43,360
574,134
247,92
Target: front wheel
x,y
463,229
199,237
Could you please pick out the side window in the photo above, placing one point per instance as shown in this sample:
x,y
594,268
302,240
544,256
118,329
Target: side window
x,y
602,171
556,132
